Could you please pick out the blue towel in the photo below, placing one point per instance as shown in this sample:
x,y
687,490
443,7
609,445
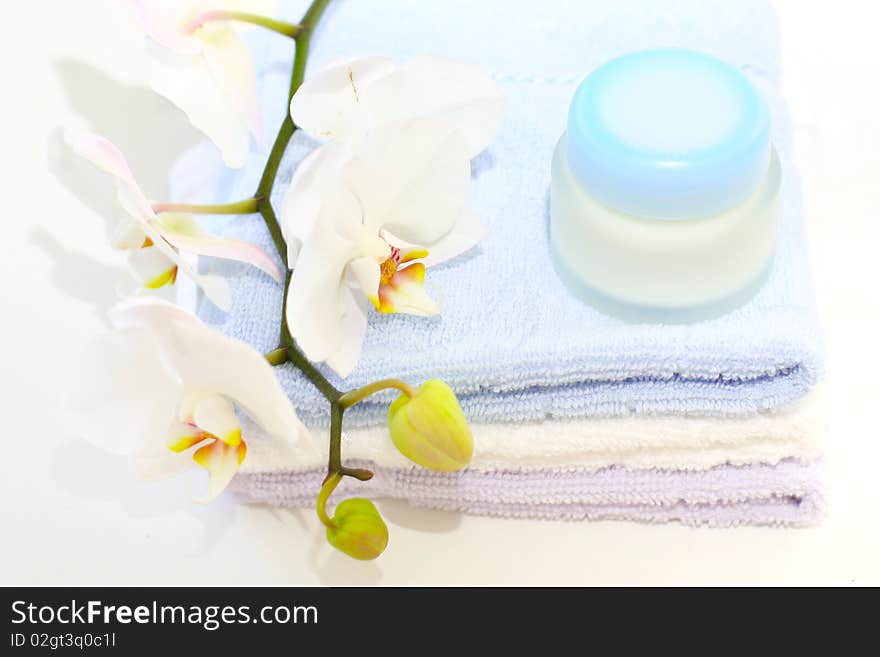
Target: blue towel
x,y
511,340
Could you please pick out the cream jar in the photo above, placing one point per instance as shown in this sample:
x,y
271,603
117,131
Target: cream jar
x,y
665,189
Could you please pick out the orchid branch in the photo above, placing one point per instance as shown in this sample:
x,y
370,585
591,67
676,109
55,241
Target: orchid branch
x,y
287,351
353,397
247,206
291,30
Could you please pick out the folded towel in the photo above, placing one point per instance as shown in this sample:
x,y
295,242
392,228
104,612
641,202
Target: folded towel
x,y
511,340
586,445
787,494
758,470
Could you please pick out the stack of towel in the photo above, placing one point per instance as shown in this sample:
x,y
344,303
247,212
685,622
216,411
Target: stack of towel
x,y
574,414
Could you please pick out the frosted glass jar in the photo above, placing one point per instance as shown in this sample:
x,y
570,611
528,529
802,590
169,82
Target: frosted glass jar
x,y
665,189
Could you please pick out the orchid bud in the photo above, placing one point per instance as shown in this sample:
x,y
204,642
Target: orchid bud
x,y
358,529
429,428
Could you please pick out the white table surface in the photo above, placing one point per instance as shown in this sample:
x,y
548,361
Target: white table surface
x,y
71,515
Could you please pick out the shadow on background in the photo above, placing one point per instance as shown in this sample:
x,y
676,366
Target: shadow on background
x,y
147,128
79,275
85,471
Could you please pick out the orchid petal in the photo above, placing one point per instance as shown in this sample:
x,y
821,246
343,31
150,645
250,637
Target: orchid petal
x,y
149,312
105,155
261,7
435,87
182,232
222,462
412,179
328,104
348,351
367,272
151,268
207,360
405,293
232,66
187,82
216,416
165,22
312,181
101,152
215,287
128,234
466,234
182,436
120,396
316,298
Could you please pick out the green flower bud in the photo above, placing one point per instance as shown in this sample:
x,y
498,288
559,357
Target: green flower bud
x,y
358,529
430,429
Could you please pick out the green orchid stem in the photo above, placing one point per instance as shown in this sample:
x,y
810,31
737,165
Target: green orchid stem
x,y
277,356
304,365
288,351
247,206
291,30
353,397
267,180
334,464
330,484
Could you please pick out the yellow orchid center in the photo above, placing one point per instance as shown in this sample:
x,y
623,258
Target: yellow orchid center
x,y
388,268
168,277
401,289
216,434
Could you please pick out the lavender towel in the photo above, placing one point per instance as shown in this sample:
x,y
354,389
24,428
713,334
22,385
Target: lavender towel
x,y
511,339
787,494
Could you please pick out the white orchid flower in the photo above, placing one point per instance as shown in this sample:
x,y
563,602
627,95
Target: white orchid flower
x,y
155,241
163,386
404,193
199,62
350,99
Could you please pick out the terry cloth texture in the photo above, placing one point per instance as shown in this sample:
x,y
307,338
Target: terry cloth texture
x,y
788,494
511,340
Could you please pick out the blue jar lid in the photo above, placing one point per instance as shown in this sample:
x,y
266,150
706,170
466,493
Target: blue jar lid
x,y
668,134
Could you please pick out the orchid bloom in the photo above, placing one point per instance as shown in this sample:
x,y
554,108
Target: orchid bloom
x,y
199,62
349,99
155,241
405,193
163,385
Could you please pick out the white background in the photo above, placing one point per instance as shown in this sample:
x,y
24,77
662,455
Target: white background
x,y
71,514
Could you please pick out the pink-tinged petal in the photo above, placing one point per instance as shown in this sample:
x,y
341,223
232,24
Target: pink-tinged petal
x,y
205,360
216,416
328,104
187,81
153,313
411,179
434,87
215,287
233,68
348,351
316,297
405,293
101,152
109,159
183,233
166,22
222,462
313,180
